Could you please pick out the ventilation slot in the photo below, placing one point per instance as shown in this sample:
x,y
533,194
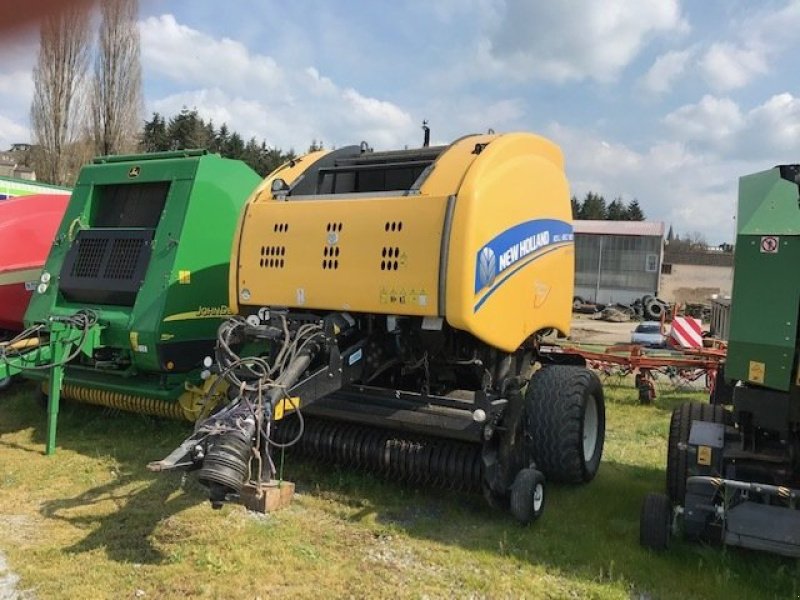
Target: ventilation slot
x,y
272,257
90,257
393,226
280,228
331,227
389,256
123,259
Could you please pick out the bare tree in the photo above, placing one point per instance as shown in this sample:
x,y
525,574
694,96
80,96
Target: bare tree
x,y
117,90
58,107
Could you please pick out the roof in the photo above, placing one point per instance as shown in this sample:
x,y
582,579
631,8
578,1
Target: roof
x,y
644,228
698,257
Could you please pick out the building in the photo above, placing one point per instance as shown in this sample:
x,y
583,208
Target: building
x,y
692,276
617,261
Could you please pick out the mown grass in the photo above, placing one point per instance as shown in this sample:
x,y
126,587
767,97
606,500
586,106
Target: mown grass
x,y
92,522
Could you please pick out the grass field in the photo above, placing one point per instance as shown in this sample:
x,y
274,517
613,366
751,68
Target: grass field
x,y
92,522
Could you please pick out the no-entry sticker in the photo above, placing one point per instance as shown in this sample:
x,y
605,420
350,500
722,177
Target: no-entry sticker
x,y
769,244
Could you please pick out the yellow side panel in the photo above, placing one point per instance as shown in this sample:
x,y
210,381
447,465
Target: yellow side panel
x,y
511,261
363,255
289,172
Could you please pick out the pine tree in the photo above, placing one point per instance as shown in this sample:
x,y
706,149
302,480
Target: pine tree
x,y
635,211
594,207
617,210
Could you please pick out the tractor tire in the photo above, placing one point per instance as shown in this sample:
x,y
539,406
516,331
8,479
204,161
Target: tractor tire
x,y
653,310
679,427
527,496
655,522
565,423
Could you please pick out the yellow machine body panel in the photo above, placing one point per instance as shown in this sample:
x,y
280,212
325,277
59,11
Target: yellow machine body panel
x,y
511,260
349,255
483,238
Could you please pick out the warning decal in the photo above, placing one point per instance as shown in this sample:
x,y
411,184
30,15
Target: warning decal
x,y
769,244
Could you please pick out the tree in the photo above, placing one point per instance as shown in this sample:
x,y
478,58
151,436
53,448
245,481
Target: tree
x,y
315,145
594,207
117,90
617,210
57,115
186,131
154,135
635,211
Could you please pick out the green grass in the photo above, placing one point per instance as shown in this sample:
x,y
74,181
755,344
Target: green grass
x,y
92,522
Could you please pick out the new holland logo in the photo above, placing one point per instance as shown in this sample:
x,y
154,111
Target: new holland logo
x,y
488,266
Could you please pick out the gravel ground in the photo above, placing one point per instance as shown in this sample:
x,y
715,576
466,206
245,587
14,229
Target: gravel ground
x,y
8,581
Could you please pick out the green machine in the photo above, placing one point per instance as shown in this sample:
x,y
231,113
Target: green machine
x,y
135,285
733,472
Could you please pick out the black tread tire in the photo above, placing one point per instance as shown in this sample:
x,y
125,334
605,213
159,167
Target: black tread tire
x,y
555,402
521,499
654,310
679,427
577,302
5,383
655,522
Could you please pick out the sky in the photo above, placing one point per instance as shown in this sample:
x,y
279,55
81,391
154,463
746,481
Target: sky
x,y
664,101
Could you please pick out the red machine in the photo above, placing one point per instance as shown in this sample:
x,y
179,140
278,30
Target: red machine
x,y
28,225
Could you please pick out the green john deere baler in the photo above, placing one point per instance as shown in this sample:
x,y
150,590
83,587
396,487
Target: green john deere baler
x,y
135,285
733,472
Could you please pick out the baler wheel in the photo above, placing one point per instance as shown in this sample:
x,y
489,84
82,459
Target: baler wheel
x,y
5,383
655,522
565,422
528,496
679,427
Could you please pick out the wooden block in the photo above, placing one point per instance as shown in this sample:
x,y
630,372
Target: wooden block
x,y
267,497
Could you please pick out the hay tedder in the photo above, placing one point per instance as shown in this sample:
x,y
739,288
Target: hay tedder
x,y
388,309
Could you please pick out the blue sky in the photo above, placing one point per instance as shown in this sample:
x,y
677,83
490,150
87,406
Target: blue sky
x,y
665,101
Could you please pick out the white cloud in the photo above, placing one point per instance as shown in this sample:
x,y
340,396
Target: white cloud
x,y
666,69
770,131
759,39
186,55
728,67
255,96
712,120
17,58
689,190
582,39
12,132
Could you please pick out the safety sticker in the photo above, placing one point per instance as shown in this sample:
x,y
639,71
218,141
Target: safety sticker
x,y
756,371
770,244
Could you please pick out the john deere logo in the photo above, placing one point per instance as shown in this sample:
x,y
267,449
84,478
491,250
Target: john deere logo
x,y
134,172
487,267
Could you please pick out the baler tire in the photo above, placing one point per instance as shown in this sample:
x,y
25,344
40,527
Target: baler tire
x,y
5,383
528,495
655,522
558,403
680,426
